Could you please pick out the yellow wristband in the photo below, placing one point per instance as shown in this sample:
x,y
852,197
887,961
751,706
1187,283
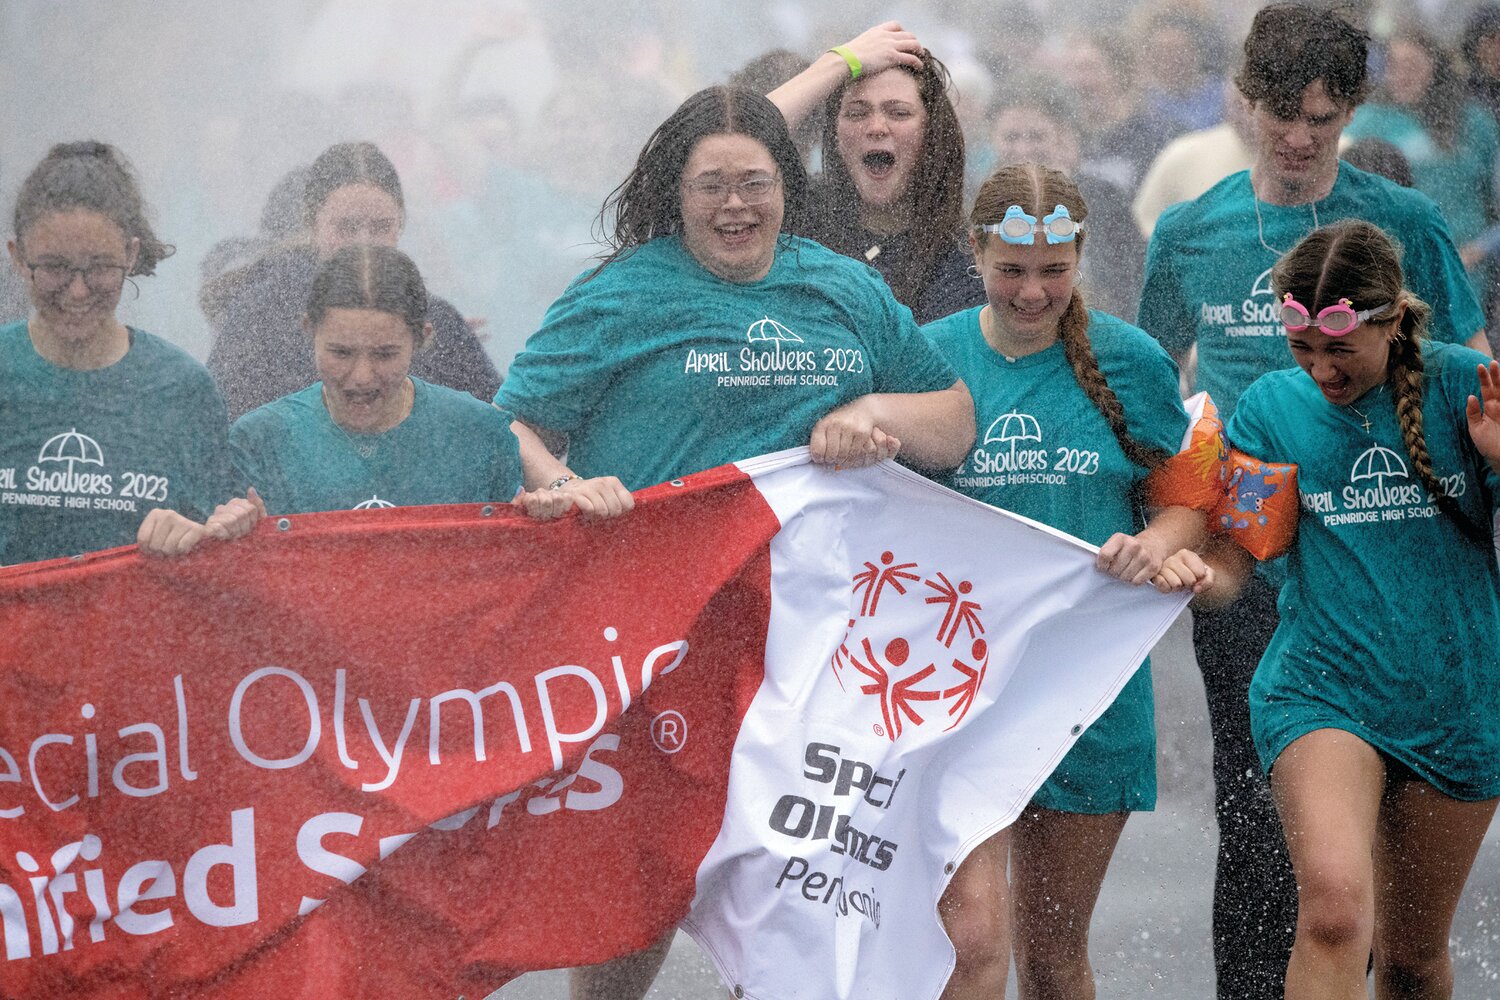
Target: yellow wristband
x,y
855,66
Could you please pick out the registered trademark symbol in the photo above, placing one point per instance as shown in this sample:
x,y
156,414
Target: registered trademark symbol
x,y
669,731
879,729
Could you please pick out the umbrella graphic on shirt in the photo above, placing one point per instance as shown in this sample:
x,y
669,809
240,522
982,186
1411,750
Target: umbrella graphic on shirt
x,y
1377,463
374,503
768,329
71,447
1262,284
1013,427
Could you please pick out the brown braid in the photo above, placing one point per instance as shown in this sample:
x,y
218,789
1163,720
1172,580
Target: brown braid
x,y
1407,376
1074,331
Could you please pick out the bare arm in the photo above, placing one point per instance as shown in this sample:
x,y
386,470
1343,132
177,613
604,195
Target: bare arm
x,y
930,430
1138,558
879,48
551,487
1481,343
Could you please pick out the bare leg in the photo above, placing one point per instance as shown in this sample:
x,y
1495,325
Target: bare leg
x,y
1427,846
975,909
1328,786
1059,861
628,977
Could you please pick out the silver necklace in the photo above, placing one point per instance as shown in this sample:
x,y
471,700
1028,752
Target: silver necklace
x,y
1361,416
1260,225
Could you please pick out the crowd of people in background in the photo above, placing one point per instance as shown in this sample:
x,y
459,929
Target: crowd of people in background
x,y
1325,210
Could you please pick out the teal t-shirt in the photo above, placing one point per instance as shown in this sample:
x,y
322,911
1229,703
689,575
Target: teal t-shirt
x,y
451,448
1044,451
1389,616
84,455
656,368
1458,180
1208,276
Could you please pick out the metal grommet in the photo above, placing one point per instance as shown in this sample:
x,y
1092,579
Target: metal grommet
x,y
679,482
1076,730
948,868
283,524
739,990
486,510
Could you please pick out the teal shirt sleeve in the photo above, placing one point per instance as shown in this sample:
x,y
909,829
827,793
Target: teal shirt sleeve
x,y
254,460
506,476
566,366
1248,430
902,359
208,452
1163,311
1144,379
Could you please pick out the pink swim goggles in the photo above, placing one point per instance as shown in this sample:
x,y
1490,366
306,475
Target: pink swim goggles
x,y
1336,320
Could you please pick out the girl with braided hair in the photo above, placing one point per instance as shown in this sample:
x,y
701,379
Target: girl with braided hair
x,y
1075,409
1376,708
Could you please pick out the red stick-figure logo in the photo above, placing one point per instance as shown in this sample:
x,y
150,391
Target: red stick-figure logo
x,y
875,578
959,611
897,638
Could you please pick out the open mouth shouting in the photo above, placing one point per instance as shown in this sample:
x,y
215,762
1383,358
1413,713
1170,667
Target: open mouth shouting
x,y
879,163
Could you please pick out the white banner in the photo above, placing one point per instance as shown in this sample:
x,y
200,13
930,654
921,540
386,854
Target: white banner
x,y
929,662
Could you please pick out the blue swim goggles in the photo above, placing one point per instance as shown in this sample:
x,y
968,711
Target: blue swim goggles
x,y
1019,228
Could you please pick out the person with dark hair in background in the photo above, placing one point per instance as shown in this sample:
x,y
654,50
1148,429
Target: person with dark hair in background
x,y
1208,271
1376,156
1120,137
1481,51
702,266
891,191
770,70
96,411
229,262
1031,121
1376,709
1422,107
369,434
1101,387
352,196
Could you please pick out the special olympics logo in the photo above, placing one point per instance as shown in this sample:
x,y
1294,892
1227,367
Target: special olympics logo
x,y
901,643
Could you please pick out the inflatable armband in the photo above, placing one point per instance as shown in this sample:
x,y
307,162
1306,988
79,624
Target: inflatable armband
x,y
1197,475
1258,512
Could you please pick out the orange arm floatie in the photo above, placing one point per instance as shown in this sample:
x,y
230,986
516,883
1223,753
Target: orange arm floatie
x,y
1196,476
1258,511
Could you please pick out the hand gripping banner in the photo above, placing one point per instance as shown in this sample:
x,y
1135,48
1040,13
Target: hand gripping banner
x,y
409,753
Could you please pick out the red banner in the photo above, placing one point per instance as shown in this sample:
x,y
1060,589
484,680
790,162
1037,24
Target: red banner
x,y
489,744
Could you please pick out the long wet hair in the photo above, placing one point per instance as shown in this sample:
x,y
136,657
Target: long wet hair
x,y
96,177
1356,260
936,193
648,203
370,277
1038,190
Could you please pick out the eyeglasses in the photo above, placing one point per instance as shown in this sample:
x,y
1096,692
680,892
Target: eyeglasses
x,y
713,191
1017,227
1336,320
55,275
